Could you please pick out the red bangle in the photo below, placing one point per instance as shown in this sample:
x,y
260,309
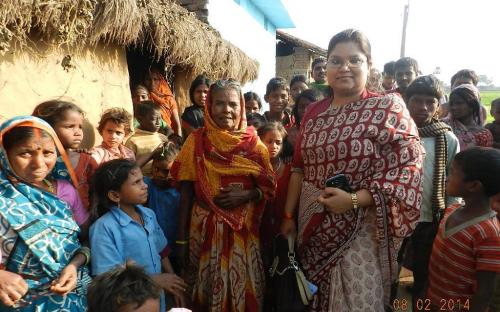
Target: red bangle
x,y
288,216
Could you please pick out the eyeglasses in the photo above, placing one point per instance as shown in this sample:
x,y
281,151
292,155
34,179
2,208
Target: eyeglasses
x,y
354,62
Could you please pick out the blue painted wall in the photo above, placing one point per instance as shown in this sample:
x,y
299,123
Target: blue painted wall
x,y
257,14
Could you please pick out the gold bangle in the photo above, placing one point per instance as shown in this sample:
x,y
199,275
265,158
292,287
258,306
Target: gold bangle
x,y
181,242
354,199
85,251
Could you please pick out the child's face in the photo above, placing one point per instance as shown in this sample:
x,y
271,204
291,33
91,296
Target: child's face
x,y
455,184
33,159
252,106
134,191
302,105
495,112
151,305
151,121
404,76
161,170
140,94
388,81
319,72
274,143
278,100
113,134
255,122
297,88
70,129
422,108
495,203
200,94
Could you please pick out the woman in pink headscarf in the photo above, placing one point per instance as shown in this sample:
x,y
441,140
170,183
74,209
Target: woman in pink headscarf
x,y
465,118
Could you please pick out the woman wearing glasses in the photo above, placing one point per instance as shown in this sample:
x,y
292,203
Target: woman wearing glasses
x,y
348,240
225,177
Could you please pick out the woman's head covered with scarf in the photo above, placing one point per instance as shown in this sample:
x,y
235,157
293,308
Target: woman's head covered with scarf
x,y
161,94
225,100
470,94
224,147
18,129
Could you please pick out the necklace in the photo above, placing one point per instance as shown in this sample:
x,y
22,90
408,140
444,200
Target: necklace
x,y
49,185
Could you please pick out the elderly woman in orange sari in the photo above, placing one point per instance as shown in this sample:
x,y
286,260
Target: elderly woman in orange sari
x,y
225,177
160,94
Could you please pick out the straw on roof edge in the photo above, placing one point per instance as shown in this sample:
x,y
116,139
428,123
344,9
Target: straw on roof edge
x,y
160,26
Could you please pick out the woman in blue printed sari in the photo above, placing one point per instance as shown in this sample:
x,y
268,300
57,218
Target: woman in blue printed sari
x,y
42,264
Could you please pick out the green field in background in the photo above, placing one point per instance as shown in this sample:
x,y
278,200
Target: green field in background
x,y
486,98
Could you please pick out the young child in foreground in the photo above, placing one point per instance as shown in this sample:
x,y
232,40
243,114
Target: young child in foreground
x,y
465,258
126,230
125,288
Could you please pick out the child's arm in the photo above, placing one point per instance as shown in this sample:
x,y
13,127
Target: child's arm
x,y
166,265
172,284
185,207
141,160
176,123
484,291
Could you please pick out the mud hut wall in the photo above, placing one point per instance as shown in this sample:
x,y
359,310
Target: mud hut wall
x,y
95,79
298,63
182,82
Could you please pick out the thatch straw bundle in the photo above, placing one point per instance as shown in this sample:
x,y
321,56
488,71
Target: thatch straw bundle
x,y
160,26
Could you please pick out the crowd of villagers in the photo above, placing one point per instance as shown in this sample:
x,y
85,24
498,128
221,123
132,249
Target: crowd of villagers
x,y
177,211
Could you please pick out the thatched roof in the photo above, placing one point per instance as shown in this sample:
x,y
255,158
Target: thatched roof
x,y
160,26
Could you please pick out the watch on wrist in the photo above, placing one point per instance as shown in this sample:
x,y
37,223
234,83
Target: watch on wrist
x,y
354,199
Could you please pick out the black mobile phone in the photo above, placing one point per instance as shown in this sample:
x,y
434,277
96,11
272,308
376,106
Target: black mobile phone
x,y
339,181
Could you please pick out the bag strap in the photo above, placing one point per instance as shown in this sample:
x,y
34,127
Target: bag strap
x,y
291,244
302,283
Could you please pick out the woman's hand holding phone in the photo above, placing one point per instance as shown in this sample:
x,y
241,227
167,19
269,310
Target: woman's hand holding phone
x,y
336,197
335,200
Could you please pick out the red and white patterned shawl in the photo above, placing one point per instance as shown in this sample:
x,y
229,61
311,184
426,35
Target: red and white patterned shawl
x,y
375,143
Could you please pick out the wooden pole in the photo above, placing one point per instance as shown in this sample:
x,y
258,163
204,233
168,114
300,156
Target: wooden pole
x,y
405,21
